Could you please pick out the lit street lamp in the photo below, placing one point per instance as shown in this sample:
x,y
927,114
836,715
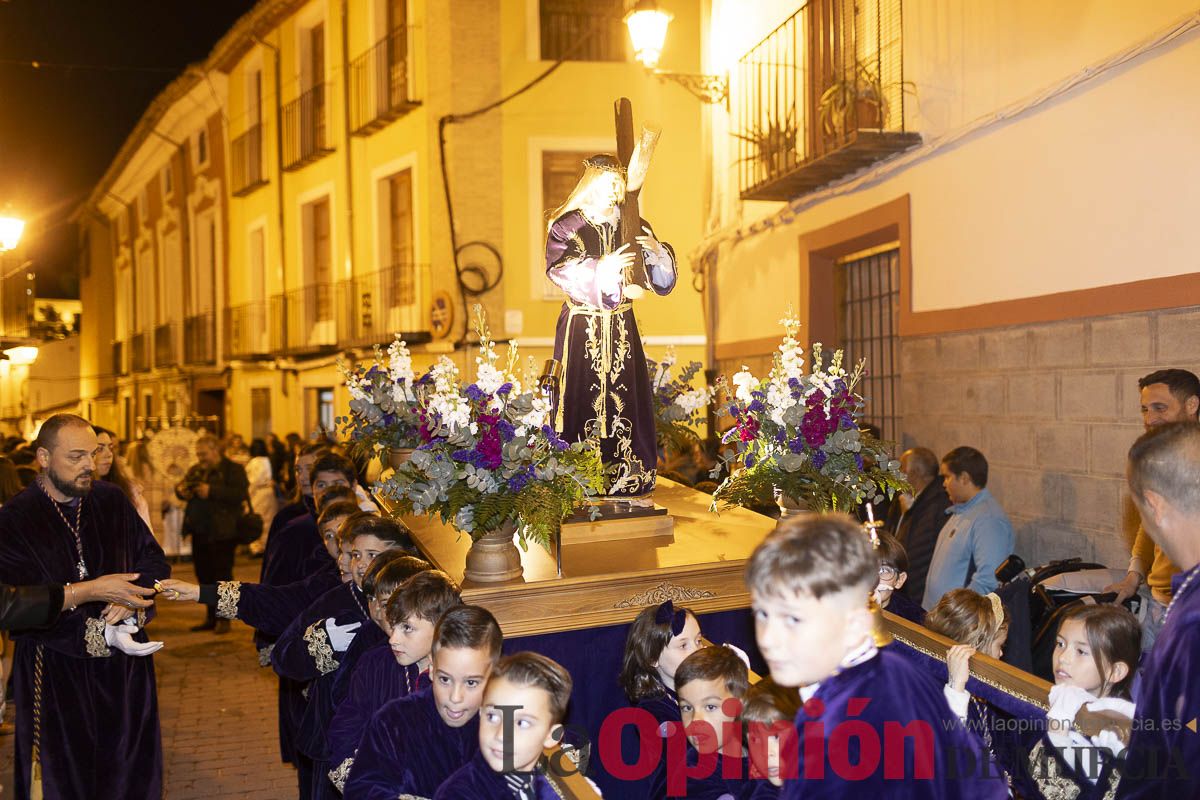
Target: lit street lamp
x,y
647,25
11,229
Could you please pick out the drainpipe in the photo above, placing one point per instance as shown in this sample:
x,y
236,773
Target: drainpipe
x,y
346,123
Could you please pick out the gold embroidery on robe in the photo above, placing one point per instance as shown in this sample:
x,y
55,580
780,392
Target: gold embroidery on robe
x,y
339,775
93,638
229,594
319,648
264,655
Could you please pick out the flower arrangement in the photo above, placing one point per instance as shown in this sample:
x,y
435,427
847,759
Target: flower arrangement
x,y
679,407
487,455
798,434
383,409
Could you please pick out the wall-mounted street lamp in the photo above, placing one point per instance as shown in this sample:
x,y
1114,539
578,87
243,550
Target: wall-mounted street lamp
x,y
11,229
647,25
21,356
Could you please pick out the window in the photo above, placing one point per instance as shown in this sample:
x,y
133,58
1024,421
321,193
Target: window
x,y
870,290
561,170
202,147
400,218
260,412
582,30
325,409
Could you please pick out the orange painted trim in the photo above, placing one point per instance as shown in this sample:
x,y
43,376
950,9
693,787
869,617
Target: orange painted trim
x,y
1176,291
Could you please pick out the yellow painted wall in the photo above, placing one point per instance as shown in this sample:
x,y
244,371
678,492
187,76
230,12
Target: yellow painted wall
x,y
1093,189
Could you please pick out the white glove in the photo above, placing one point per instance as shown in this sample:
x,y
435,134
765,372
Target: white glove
x,y
1123,707
739,652
340,636
1109,740
1065,702
121,637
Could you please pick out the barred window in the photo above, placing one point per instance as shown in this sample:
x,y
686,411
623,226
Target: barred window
x,y
583,30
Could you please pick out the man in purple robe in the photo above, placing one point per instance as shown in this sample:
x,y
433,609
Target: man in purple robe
x,y
1163,759
87,722
605,389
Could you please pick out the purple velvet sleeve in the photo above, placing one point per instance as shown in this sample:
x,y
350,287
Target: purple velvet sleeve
x,y
271,609
574,270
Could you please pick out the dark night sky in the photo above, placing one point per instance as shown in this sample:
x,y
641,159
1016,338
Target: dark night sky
x,y
60,126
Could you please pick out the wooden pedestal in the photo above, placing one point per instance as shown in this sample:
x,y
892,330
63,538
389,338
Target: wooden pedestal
x,y
607,580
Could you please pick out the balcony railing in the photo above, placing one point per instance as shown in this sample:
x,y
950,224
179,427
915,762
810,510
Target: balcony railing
x,y
374,307
306,128
821,97
139,353
248,161
166,352
247,334
118,358
199,339
382,82
310,318
278,317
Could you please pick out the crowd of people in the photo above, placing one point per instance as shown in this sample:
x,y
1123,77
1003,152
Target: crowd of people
x,y
390,686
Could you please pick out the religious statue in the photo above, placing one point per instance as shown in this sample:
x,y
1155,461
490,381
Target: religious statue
x,y
604,391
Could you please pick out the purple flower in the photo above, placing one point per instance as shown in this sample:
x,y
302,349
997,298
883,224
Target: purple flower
x,y
750,460
504,389
518,481
819,457
475,394
858,460
507,431
755,406
557,442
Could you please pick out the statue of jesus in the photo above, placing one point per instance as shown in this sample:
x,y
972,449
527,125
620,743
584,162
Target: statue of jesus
x,y
604,391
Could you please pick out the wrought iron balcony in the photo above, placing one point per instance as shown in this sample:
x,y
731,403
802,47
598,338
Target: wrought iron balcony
x,y
820,98
310,323
166,352
374,307
382,82
139,352
247,334
199,339
247,152
306,128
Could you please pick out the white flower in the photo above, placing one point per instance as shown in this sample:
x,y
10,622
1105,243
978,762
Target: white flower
x,y
538,416
354,385
745,383
400,362
488,378
692,401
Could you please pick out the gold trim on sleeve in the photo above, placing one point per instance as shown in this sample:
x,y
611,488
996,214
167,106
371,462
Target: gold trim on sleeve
x,y
229,594
93,638
338,776
319,647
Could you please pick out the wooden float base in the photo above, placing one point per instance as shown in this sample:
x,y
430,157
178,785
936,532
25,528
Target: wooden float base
x,y
607,580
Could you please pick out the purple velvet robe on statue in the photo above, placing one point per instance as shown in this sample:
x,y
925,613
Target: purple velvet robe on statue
x,y
376,680
304,653
408,749
886,703
99,707
605,388
475,780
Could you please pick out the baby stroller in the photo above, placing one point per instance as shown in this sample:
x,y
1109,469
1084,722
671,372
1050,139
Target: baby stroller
x,y
1051,591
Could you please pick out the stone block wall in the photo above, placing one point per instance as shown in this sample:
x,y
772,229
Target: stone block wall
x,y
1054,407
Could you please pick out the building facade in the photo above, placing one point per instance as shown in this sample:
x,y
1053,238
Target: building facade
x,y
352,194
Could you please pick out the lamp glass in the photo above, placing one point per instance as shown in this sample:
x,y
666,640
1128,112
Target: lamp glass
x,y
648,30
22,356
11,229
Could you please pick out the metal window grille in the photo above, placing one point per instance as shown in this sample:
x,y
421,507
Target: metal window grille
x,y
870,313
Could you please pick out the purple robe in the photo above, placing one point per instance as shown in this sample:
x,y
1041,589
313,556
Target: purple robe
x,y
408,749
905,607
376,680
289,544
716,786
303,653
99,733
605,388
1163,759
475,780
664,708
270,609
883,729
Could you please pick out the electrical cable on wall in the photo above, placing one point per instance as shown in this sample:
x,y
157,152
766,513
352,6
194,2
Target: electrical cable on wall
x,y
474,279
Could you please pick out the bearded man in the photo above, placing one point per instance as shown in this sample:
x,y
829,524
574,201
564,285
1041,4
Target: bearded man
x,y
87,721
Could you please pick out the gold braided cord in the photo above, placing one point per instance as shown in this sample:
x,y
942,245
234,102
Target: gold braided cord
x,y
35,788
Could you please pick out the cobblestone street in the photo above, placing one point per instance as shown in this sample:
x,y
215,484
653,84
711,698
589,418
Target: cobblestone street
x,y
218,709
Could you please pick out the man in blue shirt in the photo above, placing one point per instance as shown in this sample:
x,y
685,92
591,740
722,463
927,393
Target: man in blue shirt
x,y
977,537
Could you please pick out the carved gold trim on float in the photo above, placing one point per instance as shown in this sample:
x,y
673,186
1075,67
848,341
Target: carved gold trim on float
x,y
662,593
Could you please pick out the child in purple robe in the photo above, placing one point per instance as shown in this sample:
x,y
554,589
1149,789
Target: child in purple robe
x,y
893,573
415,743
871,725
523,709
659,639
330,636
393,669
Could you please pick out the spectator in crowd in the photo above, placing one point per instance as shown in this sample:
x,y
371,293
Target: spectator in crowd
x,y
261,476
1164,481
10,481
977,537
214,489
1168,395
916,519
109,468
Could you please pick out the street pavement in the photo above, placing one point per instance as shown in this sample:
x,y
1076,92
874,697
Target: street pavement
x,y
217,708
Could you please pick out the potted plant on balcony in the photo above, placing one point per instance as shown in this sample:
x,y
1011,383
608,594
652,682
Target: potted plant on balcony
x,y
383,419
489,464
772,145
857,97
797,437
